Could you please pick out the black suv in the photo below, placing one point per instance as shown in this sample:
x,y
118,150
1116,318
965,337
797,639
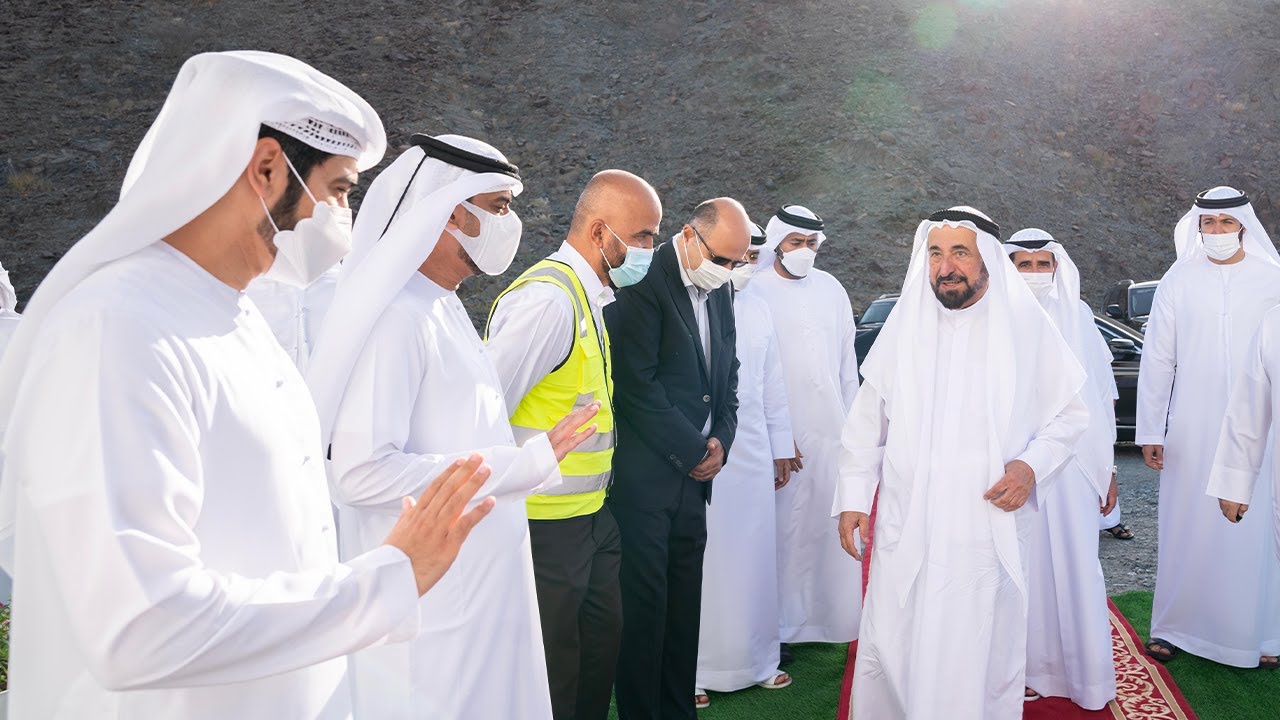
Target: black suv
x,y
1130,302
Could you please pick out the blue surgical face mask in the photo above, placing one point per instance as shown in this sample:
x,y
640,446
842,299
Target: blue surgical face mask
x,y
633,267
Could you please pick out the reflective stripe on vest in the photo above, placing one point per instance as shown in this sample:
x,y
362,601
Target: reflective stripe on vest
x,y
581,379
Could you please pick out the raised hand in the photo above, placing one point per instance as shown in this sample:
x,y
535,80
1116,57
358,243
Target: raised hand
x,y
432,530
566,436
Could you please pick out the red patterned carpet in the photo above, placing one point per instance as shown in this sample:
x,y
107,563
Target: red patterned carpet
x,y
1144,688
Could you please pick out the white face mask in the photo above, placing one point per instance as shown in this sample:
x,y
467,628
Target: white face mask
x,y
314,245
707,276
1041,284
1220,246
741,276
495,247
800,261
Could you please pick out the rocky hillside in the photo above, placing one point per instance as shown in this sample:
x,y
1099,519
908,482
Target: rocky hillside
x,y
1095,120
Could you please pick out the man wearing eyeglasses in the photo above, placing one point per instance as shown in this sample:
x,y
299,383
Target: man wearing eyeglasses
x,y
675,402
819,585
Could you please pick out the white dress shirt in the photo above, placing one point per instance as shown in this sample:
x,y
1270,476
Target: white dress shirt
x,y
698,297
533,327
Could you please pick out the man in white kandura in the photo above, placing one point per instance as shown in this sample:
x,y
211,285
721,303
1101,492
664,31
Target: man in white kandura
x,y
1248,433
1216,582
162,460
819,587
971,404
1069,632
738,639
8,310
402,384
295,314
9,318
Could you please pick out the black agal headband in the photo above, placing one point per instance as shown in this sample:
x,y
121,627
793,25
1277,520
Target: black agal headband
x,y
457,157
1030,244
800,221
983,224
450,155
1220,203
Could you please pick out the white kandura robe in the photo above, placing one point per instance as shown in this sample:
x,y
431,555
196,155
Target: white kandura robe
x,y
819,584
956,648
738,639
1216,583
175,541
1069,650
1249,429
8,325
295,314
422,393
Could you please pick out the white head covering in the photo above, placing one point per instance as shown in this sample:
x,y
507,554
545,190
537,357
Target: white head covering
x,y
401,218
1219,201
1063,303
195,150
8,296
1031,376
791,219
1075,321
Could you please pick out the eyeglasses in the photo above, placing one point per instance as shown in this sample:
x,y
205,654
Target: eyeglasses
x,y
717,259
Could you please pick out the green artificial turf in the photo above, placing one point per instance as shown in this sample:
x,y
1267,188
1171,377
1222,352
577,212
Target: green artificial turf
x,y
818,669
1215,692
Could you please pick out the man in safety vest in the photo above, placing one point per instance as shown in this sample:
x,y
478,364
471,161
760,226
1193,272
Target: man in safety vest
x,y
547,339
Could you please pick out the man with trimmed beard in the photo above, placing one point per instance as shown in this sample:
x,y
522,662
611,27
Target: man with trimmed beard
x,y
971,402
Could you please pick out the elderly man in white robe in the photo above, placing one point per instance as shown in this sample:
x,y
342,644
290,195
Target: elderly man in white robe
x,y
738,643
1248,432
818,585
1068,633
1215,582
971,404
402,384
163,498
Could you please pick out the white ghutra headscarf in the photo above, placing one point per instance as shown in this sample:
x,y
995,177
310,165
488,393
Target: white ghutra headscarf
x,y
196,149
1223,200
791,219
1074,320
401,218
1031,376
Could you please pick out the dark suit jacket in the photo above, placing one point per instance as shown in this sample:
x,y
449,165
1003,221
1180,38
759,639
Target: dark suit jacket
x,y
663,387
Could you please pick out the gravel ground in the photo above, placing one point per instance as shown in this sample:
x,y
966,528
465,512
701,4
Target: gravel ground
x,y
1131,564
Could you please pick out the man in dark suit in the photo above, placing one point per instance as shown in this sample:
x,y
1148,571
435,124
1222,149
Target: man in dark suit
x,y
675,392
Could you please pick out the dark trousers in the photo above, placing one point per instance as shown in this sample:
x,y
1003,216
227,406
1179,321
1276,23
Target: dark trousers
x,y
575,567
661,602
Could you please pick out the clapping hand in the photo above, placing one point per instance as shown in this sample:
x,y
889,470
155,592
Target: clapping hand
x,y
432,529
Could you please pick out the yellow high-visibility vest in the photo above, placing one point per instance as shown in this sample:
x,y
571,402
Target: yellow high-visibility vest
x,y
581,379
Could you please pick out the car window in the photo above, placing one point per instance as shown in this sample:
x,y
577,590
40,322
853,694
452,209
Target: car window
x,y
1140,301
1107,333
877,311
